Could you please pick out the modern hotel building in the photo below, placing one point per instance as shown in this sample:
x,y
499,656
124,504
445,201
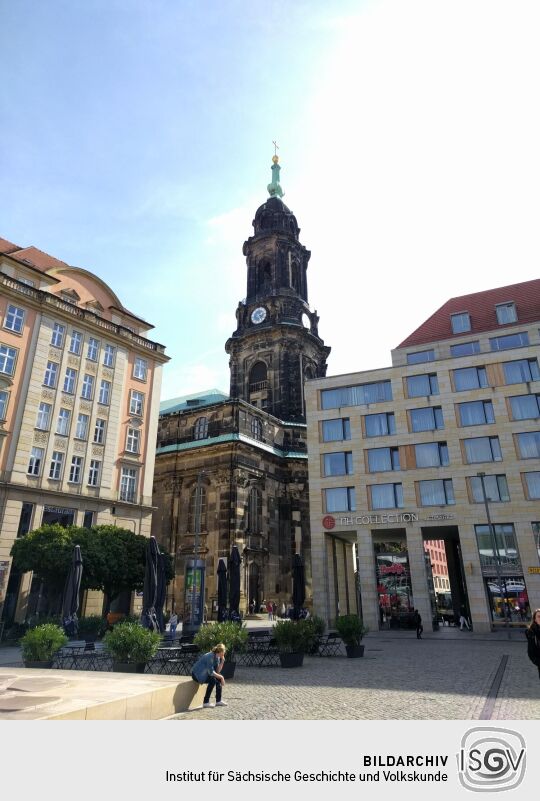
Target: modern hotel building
x,y
79,404
444,445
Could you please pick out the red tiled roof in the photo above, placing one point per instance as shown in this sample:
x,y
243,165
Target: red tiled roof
x,y
37,258
481,308
7,247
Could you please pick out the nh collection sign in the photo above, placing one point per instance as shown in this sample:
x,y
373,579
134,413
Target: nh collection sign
x,y
408,518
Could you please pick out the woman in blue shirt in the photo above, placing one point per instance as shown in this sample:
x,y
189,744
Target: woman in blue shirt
x,y
207,670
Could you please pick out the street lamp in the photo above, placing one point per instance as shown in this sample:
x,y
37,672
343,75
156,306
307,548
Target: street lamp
x,y
197,568
502,585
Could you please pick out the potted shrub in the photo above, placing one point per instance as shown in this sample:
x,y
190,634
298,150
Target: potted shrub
x,y
40,644
314,627
91,627
233,636
351,630
131,646
291,638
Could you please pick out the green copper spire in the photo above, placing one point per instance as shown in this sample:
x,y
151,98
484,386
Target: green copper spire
x,y
274,188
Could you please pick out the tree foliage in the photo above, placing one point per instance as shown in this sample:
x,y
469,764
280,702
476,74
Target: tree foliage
x,y
113,558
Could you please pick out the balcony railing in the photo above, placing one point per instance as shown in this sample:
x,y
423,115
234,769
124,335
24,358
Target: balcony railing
x,y
258,386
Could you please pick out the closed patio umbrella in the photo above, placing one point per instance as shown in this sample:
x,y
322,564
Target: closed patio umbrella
x,y
161,591
70,598
299,585
148,618
222,591
234,583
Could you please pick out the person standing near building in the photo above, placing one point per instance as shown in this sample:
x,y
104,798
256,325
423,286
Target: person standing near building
x,y
270,610
463,620
173,623
207,670
533,640
418,623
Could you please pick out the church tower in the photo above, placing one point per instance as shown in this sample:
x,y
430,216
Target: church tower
x,y
276,345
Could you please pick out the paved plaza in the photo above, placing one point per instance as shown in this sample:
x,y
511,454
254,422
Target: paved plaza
x,y
446,675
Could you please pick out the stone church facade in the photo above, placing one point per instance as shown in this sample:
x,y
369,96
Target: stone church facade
x,y
247,452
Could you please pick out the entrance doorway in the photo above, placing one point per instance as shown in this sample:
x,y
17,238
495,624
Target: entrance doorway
x,y
254,588
446,576
393,575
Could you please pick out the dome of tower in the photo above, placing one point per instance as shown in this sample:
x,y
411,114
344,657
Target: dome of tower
x,y
275,216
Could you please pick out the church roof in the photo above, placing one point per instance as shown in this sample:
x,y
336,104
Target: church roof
x,y
195,400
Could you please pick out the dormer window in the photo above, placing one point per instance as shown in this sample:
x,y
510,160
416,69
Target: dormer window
x,y
506,313
461,322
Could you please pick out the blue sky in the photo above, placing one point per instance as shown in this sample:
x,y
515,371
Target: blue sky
x,y
135,141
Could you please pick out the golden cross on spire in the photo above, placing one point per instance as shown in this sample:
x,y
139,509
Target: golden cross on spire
x,y
276,147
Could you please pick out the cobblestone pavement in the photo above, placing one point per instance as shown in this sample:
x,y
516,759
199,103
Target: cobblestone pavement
x,y
398,678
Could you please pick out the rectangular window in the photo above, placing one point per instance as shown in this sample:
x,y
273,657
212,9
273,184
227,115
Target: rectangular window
x,y
521,370
57,463
99,431
465,348
140,368
75,470
128,484
136,402
496,489
506,313
44,416
461,322
427,419
58,333
470,378
93,349
532,481
383,459
14,319
439,492
529,445
62,424
357,395
7,359
379,425
536,535
337,464
422,385
87,390
340,499
509,341
133,440
421,356
475,413
34,464
4,399
88,520
70,380
51,374
432,454
75,344
108,356
525,407
94,473
386,496
25,520
482,449
105,392
497,547
81,429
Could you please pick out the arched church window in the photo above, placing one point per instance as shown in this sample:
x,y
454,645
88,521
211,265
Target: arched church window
x,y
258,377
265,276
200,429
295,276
254,511
197,507
257,427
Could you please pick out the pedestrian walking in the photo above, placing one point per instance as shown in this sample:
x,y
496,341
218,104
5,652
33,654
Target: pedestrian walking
x,y
270,610
207,670
463,621
283,610
533,640
418,623
173,623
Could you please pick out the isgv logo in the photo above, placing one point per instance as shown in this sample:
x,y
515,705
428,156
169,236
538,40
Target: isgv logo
x,y
491,760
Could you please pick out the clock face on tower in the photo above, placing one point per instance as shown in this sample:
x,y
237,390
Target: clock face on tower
x,y
258,315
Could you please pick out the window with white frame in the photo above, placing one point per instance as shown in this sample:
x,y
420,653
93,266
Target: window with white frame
x,y
58,333
200,429
75,470
437,492
43,420
57,463
70,380
14,320
92,352
386,496
257,428
108,355
470,378
140,368
532,482
496,488
128,484
51,374
99,431
461,322
87,390
81,429
8,357
482,449
62,424
529,444
105,392
75,344
133,440
34,464
340,499
136,402
94,473
506,313
4,399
